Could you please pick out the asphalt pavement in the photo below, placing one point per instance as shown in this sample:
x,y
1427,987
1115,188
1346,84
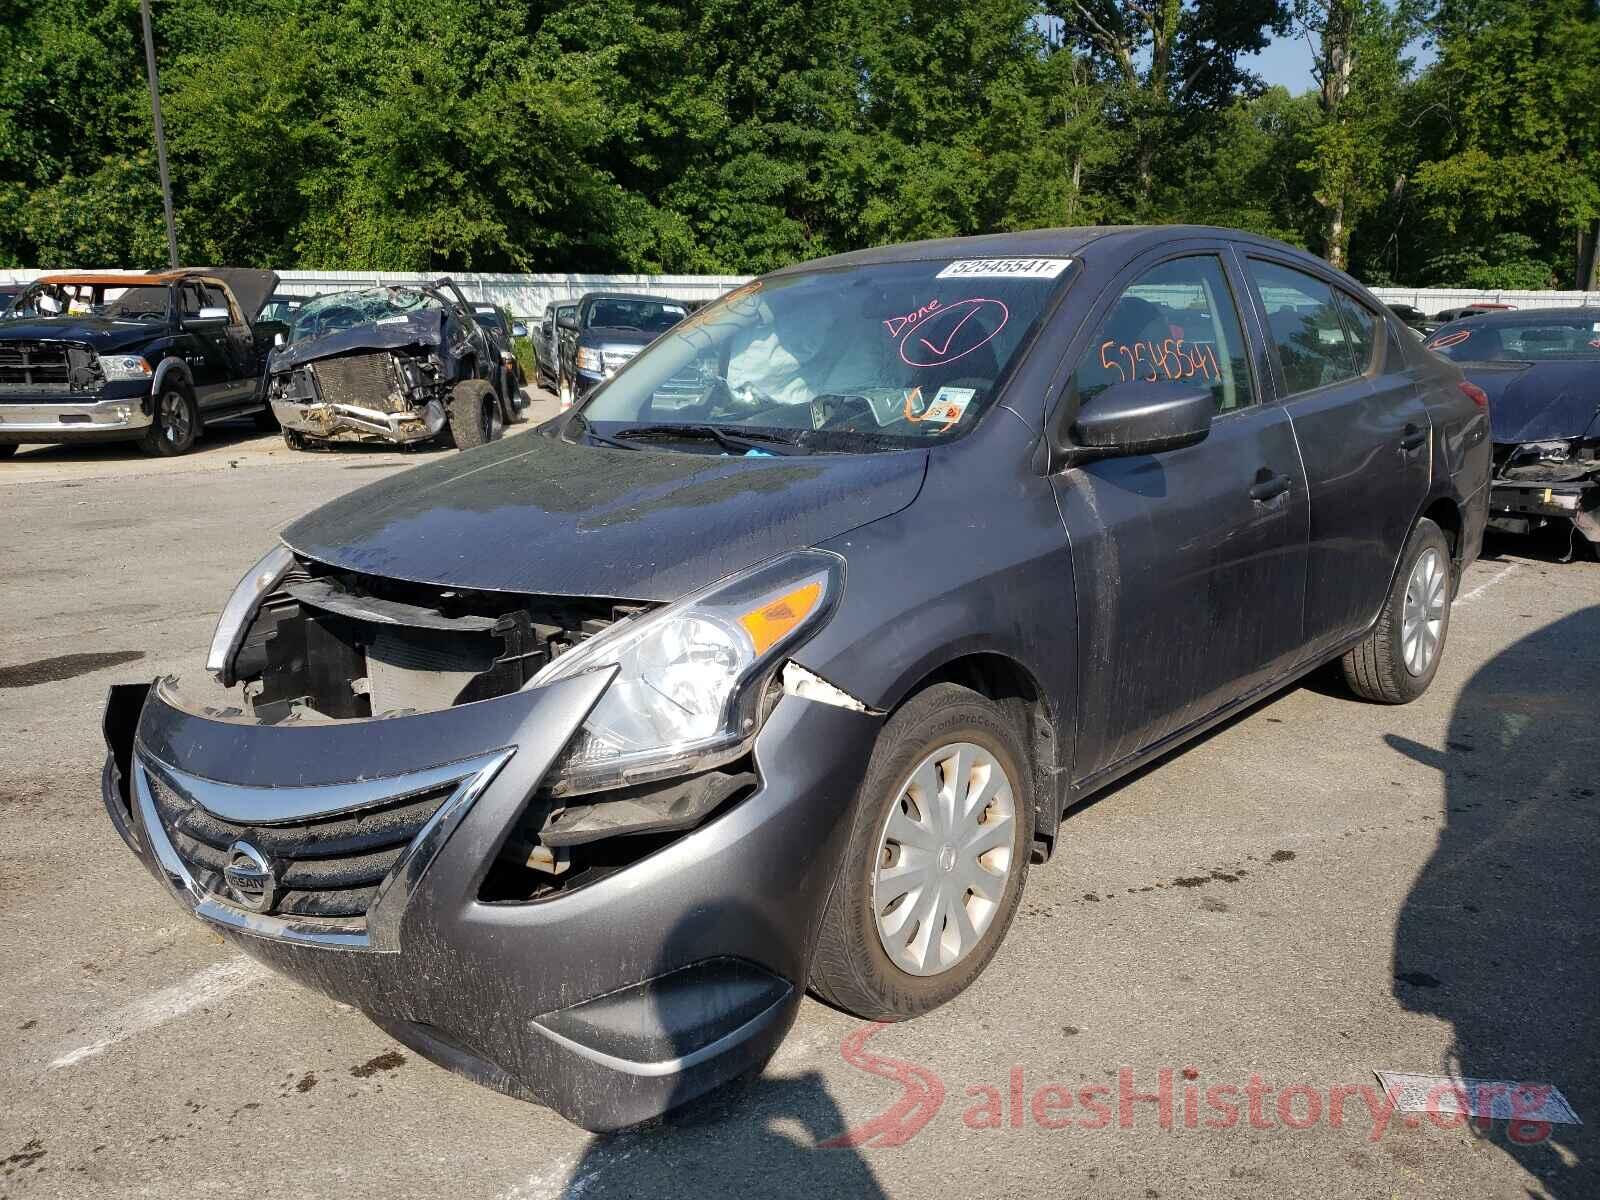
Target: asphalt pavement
x,y
1319,890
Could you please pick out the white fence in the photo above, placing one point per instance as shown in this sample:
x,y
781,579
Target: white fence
x,y
1432,300
528,295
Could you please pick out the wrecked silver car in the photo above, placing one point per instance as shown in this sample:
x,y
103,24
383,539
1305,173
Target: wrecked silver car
x,y
390,364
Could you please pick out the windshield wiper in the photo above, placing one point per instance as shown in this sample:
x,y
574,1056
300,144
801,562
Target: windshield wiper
x,y
739,443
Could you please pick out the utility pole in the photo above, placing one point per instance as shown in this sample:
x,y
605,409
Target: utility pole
x,y
161,137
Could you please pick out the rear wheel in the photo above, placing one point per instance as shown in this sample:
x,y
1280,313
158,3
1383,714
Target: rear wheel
x,y
175,425
936,860
474,414
1395,663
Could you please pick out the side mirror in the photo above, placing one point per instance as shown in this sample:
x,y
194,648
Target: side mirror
x,y
279,340
518,329
568,322
212,314
1138,417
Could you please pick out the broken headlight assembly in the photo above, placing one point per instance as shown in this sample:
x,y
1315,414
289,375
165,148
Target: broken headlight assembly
x,y
240,610
691,677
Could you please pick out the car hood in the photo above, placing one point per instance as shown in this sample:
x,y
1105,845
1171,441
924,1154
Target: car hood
x,y
97,332
1535,402
536,515
608,335
419,328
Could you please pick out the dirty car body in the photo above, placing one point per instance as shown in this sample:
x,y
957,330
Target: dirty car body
x,y
380,365
1540,370
552,760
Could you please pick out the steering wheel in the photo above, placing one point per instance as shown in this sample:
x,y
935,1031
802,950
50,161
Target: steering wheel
x,y
836,410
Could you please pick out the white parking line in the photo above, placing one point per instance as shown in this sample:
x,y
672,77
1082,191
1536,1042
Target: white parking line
x,y
1483,587
206,986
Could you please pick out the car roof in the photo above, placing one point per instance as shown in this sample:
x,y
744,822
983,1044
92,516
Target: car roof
x,y
630,296
106,279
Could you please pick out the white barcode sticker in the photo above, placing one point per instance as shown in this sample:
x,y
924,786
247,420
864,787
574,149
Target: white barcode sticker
x,y
1005,268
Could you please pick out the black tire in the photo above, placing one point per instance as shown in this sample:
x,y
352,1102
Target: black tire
x,y
1376,669
176,423
7,449
294,439
474,414
852,970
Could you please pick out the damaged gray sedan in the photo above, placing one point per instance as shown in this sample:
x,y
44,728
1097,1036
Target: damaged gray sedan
x,y
773,665
390,364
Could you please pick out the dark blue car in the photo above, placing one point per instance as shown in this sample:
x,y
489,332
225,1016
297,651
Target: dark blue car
x,y
1540,370
577,760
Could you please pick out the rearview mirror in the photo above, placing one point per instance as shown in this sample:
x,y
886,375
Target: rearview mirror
x,y
1139,417
518,329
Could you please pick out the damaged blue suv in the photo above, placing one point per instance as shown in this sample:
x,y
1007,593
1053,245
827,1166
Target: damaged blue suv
x,y
576,760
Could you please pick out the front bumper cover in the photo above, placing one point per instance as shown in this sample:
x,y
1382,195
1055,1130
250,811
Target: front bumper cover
x,y
611,1003
46,420
333,422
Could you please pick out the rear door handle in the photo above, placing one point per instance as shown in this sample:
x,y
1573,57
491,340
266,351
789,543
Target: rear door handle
x,y
1268,485
1412,438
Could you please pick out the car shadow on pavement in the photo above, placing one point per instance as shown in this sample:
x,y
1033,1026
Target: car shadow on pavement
x,y
760,1135
1499,935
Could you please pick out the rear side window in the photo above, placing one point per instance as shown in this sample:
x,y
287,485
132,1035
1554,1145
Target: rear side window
x,y
1361,326
1305,326
1177,323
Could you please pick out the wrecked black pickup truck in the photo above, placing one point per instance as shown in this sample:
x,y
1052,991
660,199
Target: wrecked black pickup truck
x,y
1540,371
390,364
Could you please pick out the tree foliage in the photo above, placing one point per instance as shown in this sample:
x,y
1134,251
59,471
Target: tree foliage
x,y
738,135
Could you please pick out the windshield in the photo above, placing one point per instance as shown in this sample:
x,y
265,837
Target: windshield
x,y
491,319
884,356
1530,340
346,310
279,310
647,316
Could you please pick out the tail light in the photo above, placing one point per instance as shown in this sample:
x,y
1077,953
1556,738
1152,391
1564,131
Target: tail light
x,y
1475,393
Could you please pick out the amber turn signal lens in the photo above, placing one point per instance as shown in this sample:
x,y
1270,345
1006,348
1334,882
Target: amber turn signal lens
x,y
769,623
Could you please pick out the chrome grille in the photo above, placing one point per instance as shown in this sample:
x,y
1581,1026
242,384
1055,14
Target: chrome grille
x,y
359,380
327,868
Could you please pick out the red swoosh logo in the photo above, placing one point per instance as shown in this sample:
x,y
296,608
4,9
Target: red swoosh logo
x,y
941,351
923,1092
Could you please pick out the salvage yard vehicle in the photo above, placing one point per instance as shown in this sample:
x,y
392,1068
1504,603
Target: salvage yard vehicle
x,y
503,331
1540,370
153,358
576,764
547,346
402,365
604,332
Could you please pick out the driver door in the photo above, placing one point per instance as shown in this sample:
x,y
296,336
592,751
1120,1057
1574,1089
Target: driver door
x,y
1189,565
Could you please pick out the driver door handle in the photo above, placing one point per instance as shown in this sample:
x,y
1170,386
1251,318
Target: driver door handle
x,y
1268,485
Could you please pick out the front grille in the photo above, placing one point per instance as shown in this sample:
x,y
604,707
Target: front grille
x,y
360,380
328,867
34,366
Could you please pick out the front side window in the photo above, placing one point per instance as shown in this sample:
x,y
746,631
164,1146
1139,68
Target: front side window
x,y
882,356
1176,324
1304,324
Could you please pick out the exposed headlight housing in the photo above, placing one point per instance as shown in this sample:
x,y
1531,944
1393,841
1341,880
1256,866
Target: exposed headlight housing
x,y
120,367
240,610
691,676
590,359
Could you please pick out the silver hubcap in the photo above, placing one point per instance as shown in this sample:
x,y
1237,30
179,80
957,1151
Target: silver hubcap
x,y
1422,619
174,418
943,859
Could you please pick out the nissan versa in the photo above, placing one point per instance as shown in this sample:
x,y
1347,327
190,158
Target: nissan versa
x,y
576,760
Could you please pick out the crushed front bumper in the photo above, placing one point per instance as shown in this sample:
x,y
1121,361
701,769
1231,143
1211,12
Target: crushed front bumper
x,y
611,1003
43,420
348,422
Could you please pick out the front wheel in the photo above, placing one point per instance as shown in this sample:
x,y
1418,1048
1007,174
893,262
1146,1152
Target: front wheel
x,y
1395,663
474,414
175,425
936,860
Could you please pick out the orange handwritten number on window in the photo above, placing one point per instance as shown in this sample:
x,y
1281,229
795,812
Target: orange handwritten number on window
x,y
1108,363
